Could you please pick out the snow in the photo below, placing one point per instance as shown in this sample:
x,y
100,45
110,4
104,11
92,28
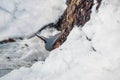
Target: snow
x,y
23,53
21,18
76,59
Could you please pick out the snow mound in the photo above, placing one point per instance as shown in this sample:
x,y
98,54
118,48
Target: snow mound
x,y
76,59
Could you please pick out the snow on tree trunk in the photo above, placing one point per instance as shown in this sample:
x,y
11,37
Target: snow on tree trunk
x,y
77,13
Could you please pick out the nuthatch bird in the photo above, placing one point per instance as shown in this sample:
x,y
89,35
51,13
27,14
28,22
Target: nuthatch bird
x,y
49,42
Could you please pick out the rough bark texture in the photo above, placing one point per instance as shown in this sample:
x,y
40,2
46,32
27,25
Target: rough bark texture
x,y
77,13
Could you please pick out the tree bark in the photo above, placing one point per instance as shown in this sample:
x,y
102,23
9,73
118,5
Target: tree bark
x,y
77,13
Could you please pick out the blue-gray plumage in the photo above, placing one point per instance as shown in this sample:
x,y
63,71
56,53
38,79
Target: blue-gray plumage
x,y
49,42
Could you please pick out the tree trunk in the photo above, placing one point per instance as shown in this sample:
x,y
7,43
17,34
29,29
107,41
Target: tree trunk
x,y
77,13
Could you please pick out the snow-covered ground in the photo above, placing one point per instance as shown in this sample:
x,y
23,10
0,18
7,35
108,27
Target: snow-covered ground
x,y
81,59
21,18
25,52
24,17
